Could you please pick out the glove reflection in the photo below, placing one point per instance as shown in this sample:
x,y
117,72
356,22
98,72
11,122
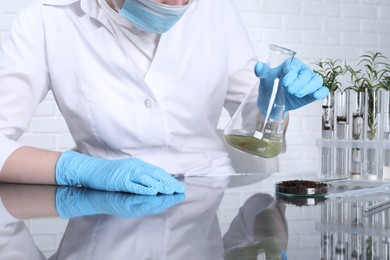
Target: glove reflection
x,y
298,84
75,202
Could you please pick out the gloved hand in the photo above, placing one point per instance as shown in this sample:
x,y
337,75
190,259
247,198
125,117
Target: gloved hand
x,y
128,175
76,202
298,84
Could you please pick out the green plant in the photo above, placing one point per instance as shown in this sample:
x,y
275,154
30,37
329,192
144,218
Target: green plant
x,y
357,79
330,70
385,82
373,75
375,69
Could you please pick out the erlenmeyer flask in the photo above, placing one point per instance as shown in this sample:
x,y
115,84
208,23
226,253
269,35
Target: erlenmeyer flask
x,y
257,125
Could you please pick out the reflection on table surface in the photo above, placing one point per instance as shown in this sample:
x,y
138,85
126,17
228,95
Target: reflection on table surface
x,y
219,217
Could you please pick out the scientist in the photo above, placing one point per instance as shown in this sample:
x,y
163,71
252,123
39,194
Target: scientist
x,y
140,84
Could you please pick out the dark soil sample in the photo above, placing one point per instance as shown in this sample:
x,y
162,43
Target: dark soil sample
x,y
299,200
302,187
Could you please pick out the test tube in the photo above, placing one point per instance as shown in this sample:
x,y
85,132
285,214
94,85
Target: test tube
x,y
327,153
386,159
373,154
356,116
384,130
341,131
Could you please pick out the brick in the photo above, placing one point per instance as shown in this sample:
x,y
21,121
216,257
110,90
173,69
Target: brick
x,y
41,141
384,13
294,153
64,141
281,7
247,5
299,165
312,123
313,109
363,40
307,52
320,9
14,6
344,1
384,40
46,108
376,26
359,11
255,35
263,21
262,50
283,37
342,53
375,2
294,139
322,38
341,25
48,125
302,23
385,51
312,152
295,124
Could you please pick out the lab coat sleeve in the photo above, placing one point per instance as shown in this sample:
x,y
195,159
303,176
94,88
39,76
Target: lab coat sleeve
x,y
242,59
23,77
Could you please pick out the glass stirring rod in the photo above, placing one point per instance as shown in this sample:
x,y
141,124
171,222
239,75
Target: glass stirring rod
x,y
259,135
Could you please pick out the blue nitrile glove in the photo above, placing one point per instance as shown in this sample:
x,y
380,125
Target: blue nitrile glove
x,y
76,202
284,254
300,84
128,175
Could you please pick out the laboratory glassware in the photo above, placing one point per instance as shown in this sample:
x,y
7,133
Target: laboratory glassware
x,y
260,131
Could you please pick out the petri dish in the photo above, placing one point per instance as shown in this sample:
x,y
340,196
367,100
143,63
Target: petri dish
x,y
301,188
300,201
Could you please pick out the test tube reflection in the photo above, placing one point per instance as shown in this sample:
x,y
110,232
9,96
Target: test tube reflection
x,y
346,233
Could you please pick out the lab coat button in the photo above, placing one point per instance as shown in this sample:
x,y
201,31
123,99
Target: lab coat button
x,y
148,103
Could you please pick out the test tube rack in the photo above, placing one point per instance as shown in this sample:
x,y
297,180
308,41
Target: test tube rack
x,y
355,159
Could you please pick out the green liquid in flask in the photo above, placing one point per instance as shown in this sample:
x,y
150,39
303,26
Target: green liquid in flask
x,y
249,144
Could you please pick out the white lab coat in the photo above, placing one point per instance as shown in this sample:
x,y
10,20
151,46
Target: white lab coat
x,y
167,118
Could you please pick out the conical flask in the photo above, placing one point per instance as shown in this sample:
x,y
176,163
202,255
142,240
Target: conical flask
x,y
257,125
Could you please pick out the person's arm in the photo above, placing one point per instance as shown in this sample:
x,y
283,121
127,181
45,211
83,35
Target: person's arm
x,y
29,201
36,201
30,165
37,166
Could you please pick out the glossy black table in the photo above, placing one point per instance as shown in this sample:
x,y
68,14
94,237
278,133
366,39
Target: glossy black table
x,y
219,217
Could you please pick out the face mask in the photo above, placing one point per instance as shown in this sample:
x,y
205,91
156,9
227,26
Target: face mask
x,y
151,16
